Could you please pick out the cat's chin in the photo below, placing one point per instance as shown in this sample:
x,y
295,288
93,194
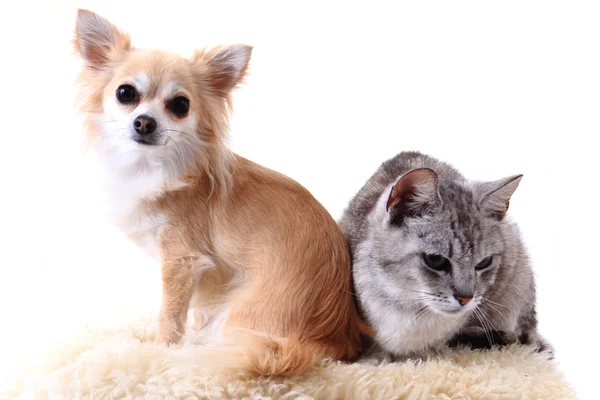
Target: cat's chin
x,y
455,312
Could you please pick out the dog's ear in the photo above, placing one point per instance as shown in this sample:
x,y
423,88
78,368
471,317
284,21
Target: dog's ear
x,y
227,65
98,41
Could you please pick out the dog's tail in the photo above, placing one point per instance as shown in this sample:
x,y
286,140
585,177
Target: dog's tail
x,y
248,352
264,355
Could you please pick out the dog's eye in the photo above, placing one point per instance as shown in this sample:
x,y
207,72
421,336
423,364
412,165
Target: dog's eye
x,y
437,262
126,94
483,264
179,106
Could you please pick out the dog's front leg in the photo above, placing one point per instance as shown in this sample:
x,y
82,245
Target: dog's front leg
x,y
179,278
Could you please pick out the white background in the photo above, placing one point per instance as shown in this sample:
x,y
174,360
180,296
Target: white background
x,y
496,88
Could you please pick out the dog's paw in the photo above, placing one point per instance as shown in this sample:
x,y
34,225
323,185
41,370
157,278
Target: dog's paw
x,y
201,319
167,336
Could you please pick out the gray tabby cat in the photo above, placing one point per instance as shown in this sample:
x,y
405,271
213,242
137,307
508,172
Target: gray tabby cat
x,y
436,261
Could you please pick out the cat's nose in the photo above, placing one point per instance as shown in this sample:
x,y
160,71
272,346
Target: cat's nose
x,y
463,300
144,124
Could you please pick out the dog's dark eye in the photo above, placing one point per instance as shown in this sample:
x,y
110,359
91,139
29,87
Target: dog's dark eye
x,y
179,106
437,262
483,264
126,94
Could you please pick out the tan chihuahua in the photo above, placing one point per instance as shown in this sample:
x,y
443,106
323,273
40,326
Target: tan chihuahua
x,y
250,248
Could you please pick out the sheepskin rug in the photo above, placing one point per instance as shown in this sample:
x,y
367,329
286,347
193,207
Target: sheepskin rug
x,y
124,363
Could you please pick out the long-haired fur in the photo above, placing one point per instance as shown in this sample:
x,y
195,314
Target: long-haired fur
x,y
205,152
265,265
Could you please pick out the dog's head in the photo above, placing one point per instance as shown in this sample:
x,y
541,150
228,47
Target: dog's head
x,y
149,105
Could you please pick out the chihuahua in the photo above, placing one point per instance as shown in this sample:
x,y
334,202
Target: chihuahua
x,y
250,249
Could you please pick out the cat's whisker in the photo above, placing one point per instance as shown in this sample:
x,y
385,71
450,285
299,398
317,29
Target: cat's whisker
x,y
476,312
490,325
410,317
408,303
397,299
416,291
418,299
392,299
487,333
485,300
423,310
489,321
423,315
499,312
486,323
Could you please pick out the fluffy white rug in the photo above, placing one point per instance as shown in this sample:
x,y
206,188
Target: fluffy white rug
x,y
124,364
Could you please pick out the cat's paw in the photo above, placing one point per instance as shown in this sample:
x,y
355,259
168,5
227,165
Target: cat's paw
x,y
541,345
479,338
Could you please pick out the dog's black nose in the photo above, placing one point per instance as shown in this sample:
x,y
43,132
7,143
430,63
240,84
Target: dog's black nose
x,y
144,124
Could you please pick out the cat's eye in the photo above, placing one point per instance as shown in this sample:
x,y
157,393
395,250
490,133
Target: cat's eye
x,y
179,106
437,262
483,264
126,94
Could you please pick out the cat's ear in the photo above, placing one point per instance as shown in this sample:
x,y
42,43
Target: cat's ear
x,y
415,194
496,196
98,41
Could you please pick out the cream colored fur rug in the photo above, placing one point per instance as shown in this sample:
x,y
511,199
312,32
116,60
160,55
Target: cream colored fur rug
x,y
125,364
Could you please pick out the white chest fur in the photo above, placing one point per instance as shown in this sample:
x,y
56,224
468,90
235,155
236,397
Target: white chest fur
x,y
406,332
143,228
126,203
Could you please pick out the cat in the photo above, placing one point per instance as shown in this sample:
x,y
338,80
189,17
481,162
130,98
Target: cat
x,y
436,262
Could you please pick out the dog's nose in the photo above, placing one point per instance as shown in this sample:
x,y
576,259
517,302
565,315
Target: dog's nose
x,y
144,124
463,300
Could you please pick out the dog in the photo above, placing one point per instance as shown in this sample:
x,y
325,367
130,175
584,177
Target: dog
x,y
260,259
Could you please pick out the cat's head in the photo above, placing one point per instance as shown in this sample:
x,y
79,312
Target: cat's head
x,y
441,242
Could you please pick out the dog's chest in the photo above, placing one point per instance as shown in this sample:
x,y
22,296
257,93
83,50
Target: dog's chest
x,y
144,228
128,205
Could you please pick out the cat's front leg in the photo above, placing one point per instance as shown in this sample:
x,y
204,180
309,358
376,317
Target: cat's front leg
x,y
477,337
527,331
532,337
